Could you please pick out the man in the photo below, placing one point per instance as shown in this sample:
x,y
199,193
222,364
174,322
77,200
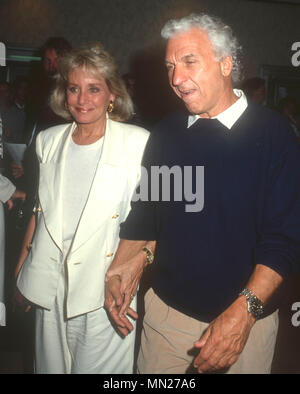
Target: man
x,y
40,115
255,89
217,264
14,118
52,51
8,193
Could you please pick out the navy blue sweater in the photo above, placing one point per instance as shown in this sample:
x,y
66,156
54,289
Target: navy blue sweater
x,y
251,212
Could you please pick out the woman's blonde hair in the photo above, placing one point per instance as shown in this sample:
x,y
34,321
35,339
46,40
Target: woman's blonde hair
x,y
94,58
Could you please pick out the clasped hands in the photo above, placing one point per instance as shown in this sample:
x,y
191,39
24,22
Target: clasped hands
x,y
121,285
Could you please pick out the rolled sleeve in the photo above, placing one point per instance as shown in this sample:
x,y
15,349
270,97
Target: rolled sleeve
x,y
140,223
279,244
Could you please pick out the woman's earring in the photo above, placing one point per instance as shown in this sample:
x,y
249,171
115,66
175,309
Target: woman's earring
x,y
66,106
110,107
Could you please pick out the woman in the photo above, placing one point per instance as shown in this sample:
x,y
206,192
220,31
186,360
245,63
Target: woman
x,y
88,173
8,192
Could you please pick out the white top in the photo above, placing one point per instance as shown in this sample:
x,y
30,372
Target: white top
x,y
230,115
79,172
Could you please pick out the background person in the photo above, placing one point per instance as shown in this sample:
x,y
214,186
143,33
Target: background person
x,y
255,90
8,193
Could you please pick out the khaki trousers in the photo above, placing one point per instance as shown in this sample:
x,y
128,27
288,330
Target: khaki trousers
x,y
168,337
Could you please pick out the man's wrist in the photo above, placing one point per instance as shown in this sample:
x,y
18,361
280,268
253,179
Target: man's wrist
x,y
254,305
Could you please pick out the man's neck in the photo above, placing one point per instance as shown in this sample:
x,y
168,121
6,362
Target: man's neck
x,y
226,100
232,112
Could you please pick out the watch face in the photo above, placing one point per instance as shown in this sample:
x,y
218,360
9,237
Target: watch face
x,y
254,305
256,308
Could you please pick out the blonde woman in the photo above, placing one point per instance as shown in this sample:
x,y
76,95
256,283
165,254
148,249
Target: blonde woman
x,y
88,173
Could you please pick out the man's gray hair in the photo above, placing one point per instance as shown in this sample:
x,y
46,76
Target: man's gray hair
x,y
223,41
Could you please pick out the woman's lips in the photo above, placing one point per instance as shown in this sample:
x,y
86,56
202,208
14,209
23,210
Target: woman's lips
x,y
83,110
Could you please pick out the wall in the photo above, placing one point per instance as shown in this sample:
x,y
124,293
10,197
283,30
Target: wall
x,y
126,27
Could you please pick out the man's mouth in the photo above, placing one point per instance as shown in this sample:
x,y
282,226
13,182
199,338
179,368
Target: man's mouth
x,y
185,93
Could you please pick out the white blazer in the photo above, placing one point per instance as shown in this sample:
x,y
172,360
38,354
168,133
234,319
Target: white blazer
x,y
97,235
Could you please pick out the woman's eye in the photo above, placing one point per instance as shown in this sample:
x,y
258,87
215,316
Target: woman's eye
x,y
72,89
94,90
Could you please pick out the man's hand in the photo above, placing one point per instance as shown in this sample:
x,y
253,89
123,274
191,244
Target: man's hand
x,y
225,338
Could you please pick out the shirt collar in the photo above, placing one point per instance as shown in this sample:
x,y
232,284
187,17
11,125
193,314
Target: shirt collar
x,y
230,115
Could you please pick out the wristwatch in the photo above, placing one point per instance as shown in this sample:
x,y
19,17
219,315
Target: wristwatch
x,y
255,306
149,255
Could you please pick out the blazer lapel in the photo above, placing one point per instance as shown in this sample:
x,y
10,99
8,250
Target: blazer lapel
x,y
105,191
50,188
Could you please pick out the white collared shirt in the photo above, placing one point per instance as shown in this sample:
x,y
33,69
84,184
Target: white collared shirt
x,y
230,115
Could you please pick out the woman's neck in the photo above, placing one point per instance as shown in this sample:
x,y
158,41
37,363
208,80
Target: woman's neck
x,y
86,134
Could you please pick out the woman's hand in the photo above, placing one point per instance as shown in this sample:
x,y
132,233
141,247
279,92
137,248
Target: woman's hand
x,y
18,194
19,302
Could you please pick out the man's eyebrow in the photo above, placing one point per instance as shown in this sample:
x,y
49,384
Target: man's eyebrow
x,y
184,58
188,56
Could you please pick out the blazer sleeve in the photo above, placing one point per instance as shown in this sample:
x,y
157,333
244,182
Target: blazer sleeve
x,y
7,189
142,221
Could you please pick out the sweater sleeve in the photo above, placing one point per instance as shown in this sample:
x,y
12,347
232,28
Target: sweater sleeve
x,y
279,243
141,220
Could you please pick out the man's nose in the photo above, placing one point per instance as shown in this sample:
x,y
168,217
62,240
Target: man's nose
x,y
178,76
52,67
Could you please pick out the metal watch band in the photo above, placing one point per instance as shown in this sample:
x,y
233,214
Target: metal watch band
x,y
255,306
149,255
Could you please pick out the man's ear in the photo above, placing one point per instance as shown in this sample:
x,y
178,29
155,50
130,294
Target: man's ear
x,y
226,65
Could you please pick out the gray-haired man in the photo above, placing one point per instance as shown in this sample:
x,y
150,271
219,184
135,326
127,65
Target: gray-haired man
x,y
215,270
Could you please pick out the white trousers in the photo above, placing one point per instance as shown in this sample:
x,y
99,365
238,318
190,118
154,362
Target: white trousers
x,y
86,344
